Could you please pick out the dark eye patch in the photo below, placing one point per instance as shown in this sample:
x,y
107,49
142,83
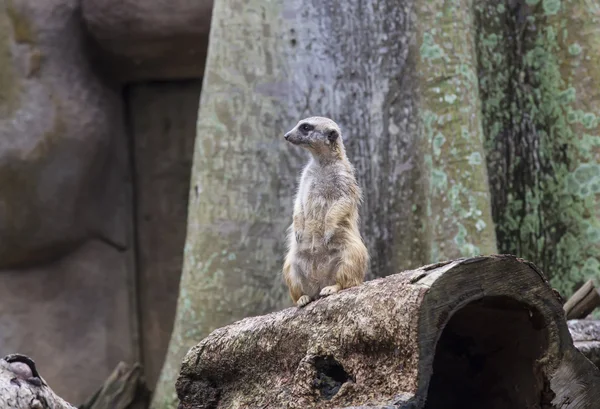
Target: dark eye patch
x,y
306,128
332,135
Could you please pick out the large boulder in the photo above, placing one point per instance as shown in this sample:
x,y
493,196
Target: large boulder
x,y
68,218
65,215
61,133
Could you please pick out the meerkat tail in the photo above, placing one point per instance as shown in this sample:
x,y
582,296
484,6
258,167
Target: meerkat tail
x,y
293,285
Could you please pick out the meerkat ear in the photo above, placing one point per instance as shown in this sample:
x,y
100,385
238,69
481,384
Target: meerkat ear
x,y
332,135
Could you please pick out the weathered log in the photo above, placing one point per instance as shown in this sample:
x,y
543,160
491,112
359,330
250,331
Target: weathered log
x,y
583,301
586,338
22,387
484,332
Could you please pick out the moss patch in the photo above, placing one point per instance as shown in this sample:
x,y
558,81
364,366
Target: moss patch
x,y
541,137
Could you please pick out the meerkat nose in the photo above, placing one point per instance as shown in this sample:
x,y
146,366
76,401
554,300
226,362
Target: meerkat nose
x,y
286,136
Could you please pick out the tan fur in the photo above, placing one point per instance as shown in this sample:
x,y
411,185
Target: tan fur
x,y
326,253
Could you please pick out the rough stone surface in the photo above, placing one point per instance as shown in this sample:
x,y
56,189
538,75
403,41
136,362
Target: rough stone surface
x,y
72,317
64,202
68,211
151,39
59,129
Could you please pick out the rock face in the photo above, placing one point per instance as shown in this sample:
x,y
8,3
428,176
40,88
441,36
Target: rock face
x,y
71,209
485,332
151,39
65,219
60,130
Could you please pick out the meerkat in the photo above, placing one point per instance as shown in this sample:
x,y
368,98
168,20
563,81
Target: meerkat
x,y
326,252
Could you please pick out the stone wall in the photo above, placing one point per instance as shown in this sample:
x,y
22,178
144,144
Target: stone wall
x,y
94,169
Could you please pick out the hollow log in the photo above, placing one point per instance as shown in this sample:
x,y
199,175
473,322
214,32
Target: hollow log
x,y
484,332
583,301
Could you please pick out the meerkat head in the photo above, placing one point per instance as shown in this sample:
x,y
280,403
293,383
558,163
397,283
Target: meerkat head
x,y
321,136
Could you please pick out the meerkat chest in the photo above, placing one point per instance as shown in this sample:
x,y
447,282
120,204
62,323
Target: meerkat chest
x,y
321,189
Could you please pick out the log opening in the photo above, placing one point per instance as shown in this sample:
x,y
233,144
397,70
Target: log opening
x,y
487,358
330,376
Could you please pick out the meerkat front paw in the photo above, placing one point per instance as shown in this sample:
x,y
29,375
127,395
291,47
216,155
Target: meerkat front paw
x,y
332,289
302,301
298,235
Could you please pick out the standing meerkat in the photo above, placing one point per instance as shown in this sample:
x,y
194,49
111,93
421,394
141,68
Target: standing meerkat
x,y
326,253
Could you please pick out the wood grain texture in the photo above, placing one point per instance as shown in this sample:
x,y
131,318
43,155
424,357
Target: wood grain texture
x,y
583,301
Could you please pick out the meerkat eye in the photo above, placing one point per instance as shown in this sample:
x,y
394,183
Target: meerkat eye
x,y
332,135
306,128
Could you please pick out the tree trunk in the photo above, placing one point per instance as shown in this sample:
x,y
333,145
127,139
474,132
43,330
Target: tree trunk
x,y
539,76
483,332
409,119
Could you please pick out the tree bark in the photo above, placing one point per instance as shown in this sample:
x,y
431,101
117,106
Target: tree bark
x,y
408,124
583,302
463,332
539,77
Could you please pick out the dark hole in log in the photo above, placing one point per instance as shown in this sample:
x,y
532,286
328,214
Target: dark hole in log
x,y
486,358
330,376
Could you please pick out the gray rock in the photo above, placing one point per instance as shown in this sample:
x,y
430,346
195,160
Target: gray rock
x,y
151,39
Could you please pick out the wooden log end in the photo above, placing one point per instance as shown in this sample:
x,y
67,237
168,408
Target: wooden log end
x,y
583,301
